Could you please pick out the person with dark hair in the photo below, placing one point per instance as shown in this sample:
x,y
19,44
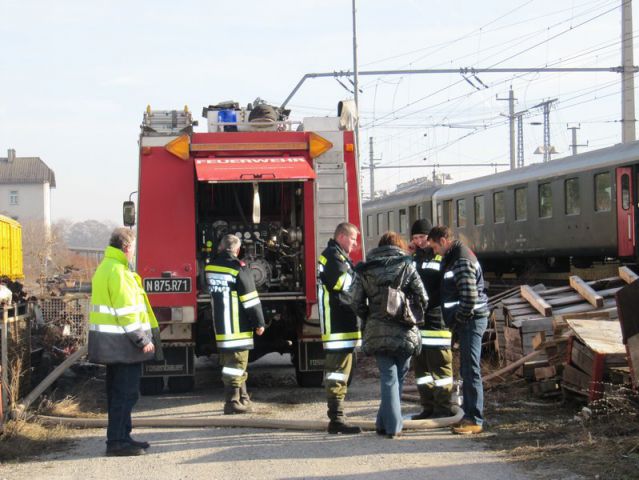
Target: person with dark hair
x,y
123,333
338,323
392,343
237,312
434,365
465,311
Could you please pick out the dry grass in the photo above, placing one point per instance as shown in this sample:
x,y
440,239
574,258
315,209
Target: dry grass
x,y
551,436
22,440
78,400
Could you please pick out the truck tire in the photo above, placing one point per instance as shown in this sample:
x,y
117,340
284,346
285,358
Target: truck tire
x,y
181,384
151,385
309,379
353,367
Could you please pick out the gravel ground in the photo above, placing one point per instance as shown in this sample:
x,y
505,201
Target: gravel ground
x,y
218,453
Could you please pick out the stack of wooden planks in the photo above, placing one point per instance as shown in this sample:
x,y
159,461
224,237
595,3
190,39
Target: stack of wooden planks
x,y
543,328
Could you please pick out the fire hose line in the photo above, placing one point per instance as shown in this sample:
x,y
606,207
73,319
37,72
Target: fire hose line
x,y
244,422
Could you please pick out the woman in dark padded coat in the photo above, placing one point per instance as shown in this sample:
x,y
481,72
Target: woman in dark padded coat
x,y
391,343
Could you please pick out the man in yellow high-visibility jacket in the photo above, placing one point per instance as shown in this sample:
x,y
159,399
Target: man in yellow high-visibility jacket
x,y
123,333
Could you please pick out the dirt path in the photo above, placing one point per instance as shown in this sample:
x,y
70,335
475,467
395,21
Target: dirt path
x,y
217,453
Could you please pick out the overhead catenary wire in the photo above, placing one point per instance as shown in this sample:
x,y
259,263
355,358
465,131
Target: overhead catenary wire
x,y
503,60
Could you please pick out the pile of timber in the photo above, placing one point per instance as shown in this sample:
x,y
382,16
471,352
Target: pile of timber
x,y
534,332
596,353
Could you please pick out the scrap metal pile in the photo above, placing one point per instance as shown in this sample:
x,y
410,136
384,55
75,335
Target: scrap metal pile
x,y
61,324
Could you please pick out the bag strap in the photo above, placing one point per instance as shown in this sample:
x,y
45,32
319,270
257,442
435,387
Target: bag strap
x,y
400,283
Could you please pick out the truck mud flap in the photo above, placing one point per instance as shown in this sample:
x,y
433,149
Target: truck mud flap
x,y
310,356
178,361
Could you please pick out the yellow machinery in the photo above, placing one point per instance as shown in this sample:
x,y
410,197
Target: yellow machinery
x,y
10,248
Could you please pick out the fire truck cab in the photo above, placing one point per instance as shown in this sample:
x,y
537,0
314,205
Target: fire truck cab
x,y
281,186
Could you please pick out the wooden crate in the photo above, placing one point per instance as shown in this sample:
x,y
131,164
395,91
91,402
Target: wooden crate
x,y
576,381
588,364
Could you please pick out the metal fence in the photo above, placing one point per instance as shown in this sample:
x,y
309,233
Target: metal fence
x,y
61,323
15,352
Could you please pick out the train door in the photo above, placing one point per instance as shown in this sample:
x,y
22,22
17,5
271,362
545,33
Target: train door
x,y
625,213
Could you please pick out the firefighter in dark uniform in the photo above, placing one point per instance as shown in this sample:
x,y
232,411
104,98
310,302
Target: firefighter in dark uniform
x,y
465,311
339,326
434,365
237,312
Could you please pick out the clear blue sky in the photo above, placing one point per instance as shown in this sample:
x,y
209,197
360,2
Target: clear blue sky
x,y
77,76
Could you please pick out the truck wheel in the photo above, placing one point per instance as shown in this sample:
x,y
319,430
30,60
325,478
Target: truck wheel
x,y
151,385
353,366
181,384
309,379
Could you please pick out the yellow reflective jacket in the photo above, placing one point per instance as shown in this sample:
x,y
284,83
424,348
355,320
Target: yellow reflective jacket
x,y
121,321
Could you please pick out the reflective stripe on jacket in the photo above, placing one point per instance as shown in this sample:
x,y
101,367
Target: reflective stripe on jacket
x,y
121,319
441,339
428,265
236,305
338,322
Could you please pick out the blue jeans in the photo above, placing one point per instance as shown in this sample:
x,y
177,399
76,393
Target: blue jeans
x,y
392,370
470,337
122,388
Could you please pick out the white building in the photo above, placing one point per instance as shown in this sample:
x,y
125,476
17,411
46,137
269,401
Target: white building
x,y
25,188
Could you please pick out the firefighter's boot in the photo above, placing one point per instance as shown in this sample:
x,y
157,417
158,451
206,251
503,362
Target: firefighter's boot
x,y
426,399
245,399
232,404
337,422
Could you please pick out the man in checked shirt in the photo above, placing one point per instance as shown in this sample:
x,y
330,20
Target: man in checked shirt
x,y
465,311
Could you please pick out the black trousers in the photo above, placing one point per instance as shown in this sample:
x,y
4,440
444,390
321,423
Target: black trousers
x,y
122,389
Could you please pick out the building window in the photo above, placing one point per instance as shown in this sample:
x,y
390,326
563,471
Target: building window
x,y
403,221
479,210
13,197
391,225
571,189
521,204
461,213
498,207
369,225
545,200
380,223
602,192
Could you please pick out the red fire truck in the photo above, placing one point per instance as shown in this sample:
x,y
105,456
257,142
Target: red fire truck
x,y
281,186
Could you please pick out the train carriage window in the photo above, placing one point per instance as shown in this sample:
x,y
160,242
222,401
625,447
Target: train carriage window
x,y
440,214
602,192
625,192
545,200
461,213
380,223
412,214
479,210
571,192
369,225
390,223
403,221
420,213
521,203
498,207
448,213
